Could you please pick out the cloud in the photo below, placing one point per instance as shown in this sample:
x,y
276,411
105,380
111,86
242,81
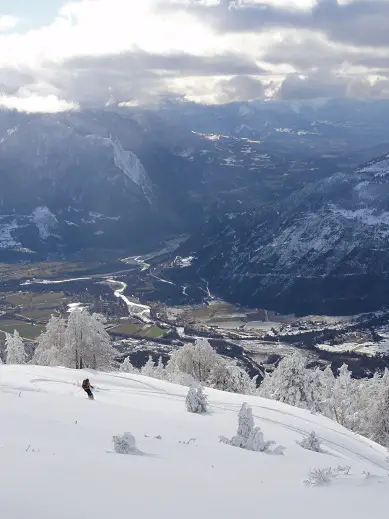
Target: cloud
x,y
140,75
324,85
99,52
307,50
37,104
241,88
358,22
8,22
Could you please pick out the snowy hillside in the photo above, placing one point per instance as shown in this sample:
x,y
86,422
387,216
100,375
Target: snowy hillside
x,y
57,461
312,253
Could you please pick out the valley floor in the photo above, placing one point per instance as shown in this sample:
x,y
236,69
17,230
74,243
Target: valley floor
x,y
56,459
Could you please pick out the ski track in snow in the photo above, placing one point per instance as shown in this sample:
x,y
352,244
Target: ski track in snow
x,y
152,389
51,434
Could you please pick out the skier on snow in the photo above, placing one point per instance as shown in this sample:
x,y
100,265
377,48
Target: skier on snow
x,y
86,386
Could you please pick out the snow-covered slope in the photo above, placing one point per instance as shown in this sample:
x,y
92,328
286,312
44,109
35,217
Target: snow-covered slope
x,y
57,462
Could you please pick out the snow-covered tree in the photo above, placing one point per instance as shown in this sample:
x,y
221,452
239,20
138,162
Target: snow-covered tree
x,y
311,442
323,382
87,343
227,376
289,383
127,367
250,437
15,352
159,370
51,343
378,417
245,421
196,400
343,401
148,369
197,360
124,443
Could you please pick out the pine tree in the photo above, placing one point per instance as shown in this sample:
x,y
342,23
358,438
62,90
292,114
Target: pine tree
x,y
148,369
159,371
127,367
16,354
51,343
245,421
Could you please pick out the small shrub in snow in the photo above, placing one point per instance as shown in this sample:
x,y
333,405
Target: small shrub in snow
x,y
311,443
196,400
124,444
188,442
250,437
320,477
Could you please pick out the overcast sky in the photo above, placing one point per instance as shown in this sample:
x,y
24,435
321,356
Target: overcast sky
x,y
58,55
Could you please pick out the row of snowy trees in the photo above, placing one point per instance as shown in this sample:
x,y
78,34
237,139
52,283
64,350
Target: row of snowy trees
x,y
360,405
80,342
198,363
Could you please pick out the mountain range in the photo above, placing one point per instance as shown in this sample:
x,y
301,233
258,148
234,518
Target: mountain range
x,y
269,193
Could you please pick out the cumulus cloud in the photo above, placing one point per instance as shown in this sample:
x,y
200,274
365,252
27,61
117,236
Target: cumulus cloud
x,y
37,104
98,52
8,22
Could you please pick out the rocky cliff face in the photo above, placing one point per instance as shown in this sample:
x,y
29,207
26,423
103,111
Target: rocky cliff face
x,y
325,249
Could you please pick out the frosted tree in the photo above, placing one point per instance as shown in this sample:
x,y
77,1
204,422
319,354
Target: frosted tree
x,y
250,437
343,401
51,343
311,442
196,400
124,443
245,421
148,369
196,360
323,382
127,367
87,343
159,371
289,383
379,413
15,352
232,378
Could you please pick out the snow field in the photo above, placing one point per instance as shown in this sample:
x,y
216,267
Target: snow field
x,y
57,459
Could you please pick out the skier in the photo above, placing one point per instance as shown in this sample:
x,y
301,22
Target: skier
x,y
86,386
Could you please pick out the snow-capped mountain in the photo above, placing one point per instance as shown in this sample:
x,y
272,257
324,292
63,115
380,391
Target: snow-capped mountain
x,y
58,460
324,249
128,178
115,179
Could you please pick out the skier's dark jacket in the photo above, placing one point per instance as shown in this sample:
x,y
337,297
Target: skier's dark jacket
x,y
86,384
